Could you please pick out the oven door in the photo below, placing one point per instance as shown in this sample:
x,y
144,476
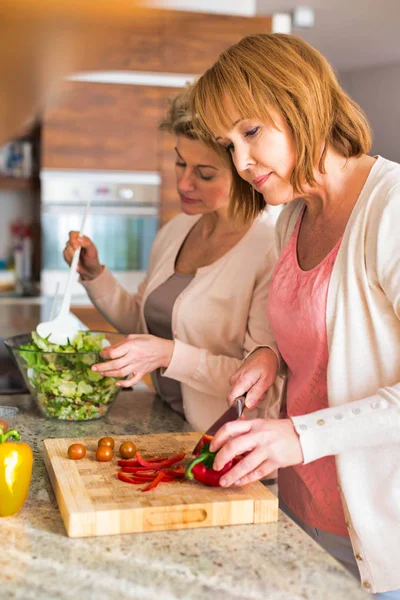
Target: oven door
x,y
123,236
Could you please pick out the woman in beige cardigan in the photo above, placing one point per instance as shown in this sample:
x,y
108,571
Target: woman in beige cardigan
x,y
334,304
201,307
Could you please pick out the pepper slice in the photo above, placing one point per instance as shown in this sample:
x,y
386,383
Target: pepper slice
x,y
162,462
158,478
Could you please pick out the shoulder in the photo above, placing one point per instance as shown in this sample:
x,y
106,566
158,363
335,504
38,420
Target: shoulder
x,y
380,197
382,184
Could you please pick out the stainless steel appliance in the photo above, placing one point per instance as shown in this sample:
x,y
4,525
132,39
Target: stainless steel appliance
x,y
123,221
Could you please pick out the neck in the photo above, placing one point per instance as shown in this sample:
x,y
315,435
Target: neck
x,y
339,186
216,222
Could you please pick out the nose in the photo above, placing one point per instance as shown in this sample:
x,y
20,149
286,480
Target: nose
x,y
185,181
242,157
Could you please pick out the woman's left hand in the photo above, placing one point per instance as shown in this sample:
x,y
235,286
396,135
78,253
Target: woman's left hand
x,y
268,444
135,356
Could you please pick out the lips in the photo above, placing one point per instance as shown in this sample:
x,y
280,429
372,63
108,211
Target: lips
x,y
188,200
259,181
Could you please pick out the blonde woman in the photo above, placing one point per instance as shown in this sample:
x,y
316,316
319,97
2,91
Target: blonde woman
x,y
201,307
274,104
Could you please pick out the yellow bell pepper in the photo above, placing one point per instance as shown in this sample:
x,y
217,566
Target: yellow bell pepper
x,y
15,472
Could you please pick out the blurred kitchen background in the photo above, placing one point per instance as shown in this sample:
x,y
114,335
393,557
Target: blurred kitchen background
x,y
98,134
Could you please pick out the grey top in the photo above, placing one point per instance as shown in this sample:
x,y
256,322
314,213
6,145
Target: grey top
x,y
158,315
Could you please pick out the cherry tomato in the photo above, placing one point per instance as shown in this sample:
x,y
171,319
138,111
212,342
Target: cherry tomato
x,y
127,449
107,441
76,451
104,453
3,426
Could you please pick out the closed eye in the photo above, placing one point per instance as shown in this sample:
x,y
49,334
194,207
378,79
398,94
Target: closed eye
x,y
252,132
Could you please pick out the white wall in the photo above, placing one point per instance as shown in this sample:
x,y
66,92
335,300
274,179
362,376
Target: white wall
x,y
13,205
377,90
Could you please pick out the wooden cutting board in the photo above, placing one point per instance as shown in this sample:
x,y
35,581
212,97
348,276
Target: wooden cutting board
x,y
93,501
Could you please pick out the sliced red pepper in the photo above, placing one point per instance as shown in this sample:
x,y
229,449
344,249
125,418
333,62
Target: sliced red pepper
x,y
129,479
158,478
137,470
176,473
162,462
128,463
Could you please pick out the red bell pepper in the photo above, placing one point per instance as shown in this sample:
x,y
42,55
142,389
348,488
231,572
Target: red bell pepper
x,y
201,468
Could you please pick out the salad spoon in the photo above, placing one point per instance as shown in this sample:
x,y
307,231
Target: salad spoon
x,y
63,329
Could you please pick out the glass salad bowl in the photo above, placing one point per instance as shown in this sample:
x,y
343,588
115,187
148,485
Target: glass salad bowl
x,y
60,377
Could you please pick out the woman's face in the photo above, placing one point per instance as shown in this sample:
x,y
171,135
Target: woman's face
x,y
263,155
203,179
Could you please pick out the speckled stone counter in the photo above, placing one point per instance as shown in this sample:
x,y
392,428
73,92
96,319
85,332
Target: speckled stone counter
x,y
38,561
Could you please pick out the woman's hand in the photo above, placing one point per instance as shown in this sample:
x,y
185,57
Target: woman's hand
x,y
136,356
268,444
255,376
89,266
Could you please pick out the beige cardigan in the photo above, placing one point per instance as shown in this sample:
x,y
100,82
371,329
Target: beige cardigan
x,y
361,427
216,320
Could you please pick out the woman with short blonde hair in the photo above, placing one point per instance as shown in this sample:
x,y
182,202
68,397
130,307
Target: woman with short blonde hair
x,y
273,102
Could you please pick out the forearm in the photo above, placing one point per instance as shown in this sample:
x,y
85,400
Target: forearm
x,y
201,370
116,304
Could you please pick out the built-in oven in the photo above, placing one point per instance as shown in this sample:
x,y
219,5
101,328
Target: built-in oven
x,y
123,221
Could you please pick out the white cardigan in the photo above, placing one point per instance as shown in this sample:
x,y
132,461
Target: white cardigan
x,y
361,427
216,320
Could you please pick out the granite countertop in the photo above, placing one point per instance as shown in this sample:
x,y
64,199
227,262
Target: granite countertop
x,y
277,561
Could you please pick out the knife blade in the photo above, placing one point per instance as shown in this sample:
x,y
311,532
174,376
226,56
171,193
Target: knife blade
x,y
234,412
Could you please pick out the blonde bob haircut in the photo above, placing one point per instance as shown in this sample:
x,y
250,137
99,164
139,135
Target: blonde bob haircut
x,y
178,121
280,72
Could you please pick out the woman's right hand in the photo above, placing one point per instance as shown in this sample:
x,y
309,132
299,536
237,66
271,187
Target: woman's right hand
x,y
89,266
257,373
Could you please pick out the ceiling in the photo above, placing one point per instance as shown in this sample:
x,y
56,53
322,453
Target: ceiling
x,y
352,34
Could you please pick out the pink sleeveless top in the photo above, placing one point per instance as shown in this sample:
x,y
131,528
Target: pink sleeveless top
x,y
296,311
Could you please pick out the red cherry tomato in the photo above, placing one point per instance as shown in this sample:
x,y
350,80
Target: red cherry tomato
x,y
107,441
76,451
104,453
127,450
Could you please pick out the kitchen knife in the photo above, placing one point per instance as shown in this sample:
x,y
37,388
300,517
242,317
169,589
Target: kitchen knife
x,y
234,412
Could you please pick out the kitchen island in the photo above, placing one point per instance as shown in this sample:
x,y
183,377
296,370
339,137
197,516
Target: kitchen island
x,y
277,561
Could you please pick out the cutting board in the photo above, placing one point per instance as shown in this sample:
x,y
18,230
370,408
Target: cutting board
x,y
93,501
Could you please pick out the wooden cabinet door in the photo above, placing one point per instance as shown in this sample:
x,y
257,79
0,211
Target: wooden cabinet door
x,y
103,126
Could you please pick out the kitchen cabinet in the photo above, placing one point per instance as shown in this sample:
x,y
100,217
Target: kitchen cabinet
x,y
172,41
103,127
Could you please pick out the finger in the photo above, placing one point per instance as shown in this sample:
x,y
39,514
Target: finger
x,y
111,365
243,444
263,470
241,386
125,383
68,255
72,241
131,381
115,351
256,393
121,372
251,462
228,431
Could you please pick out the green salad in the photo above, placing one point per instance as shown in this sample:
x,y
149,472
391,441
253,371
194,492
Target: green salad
x,y
62,378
